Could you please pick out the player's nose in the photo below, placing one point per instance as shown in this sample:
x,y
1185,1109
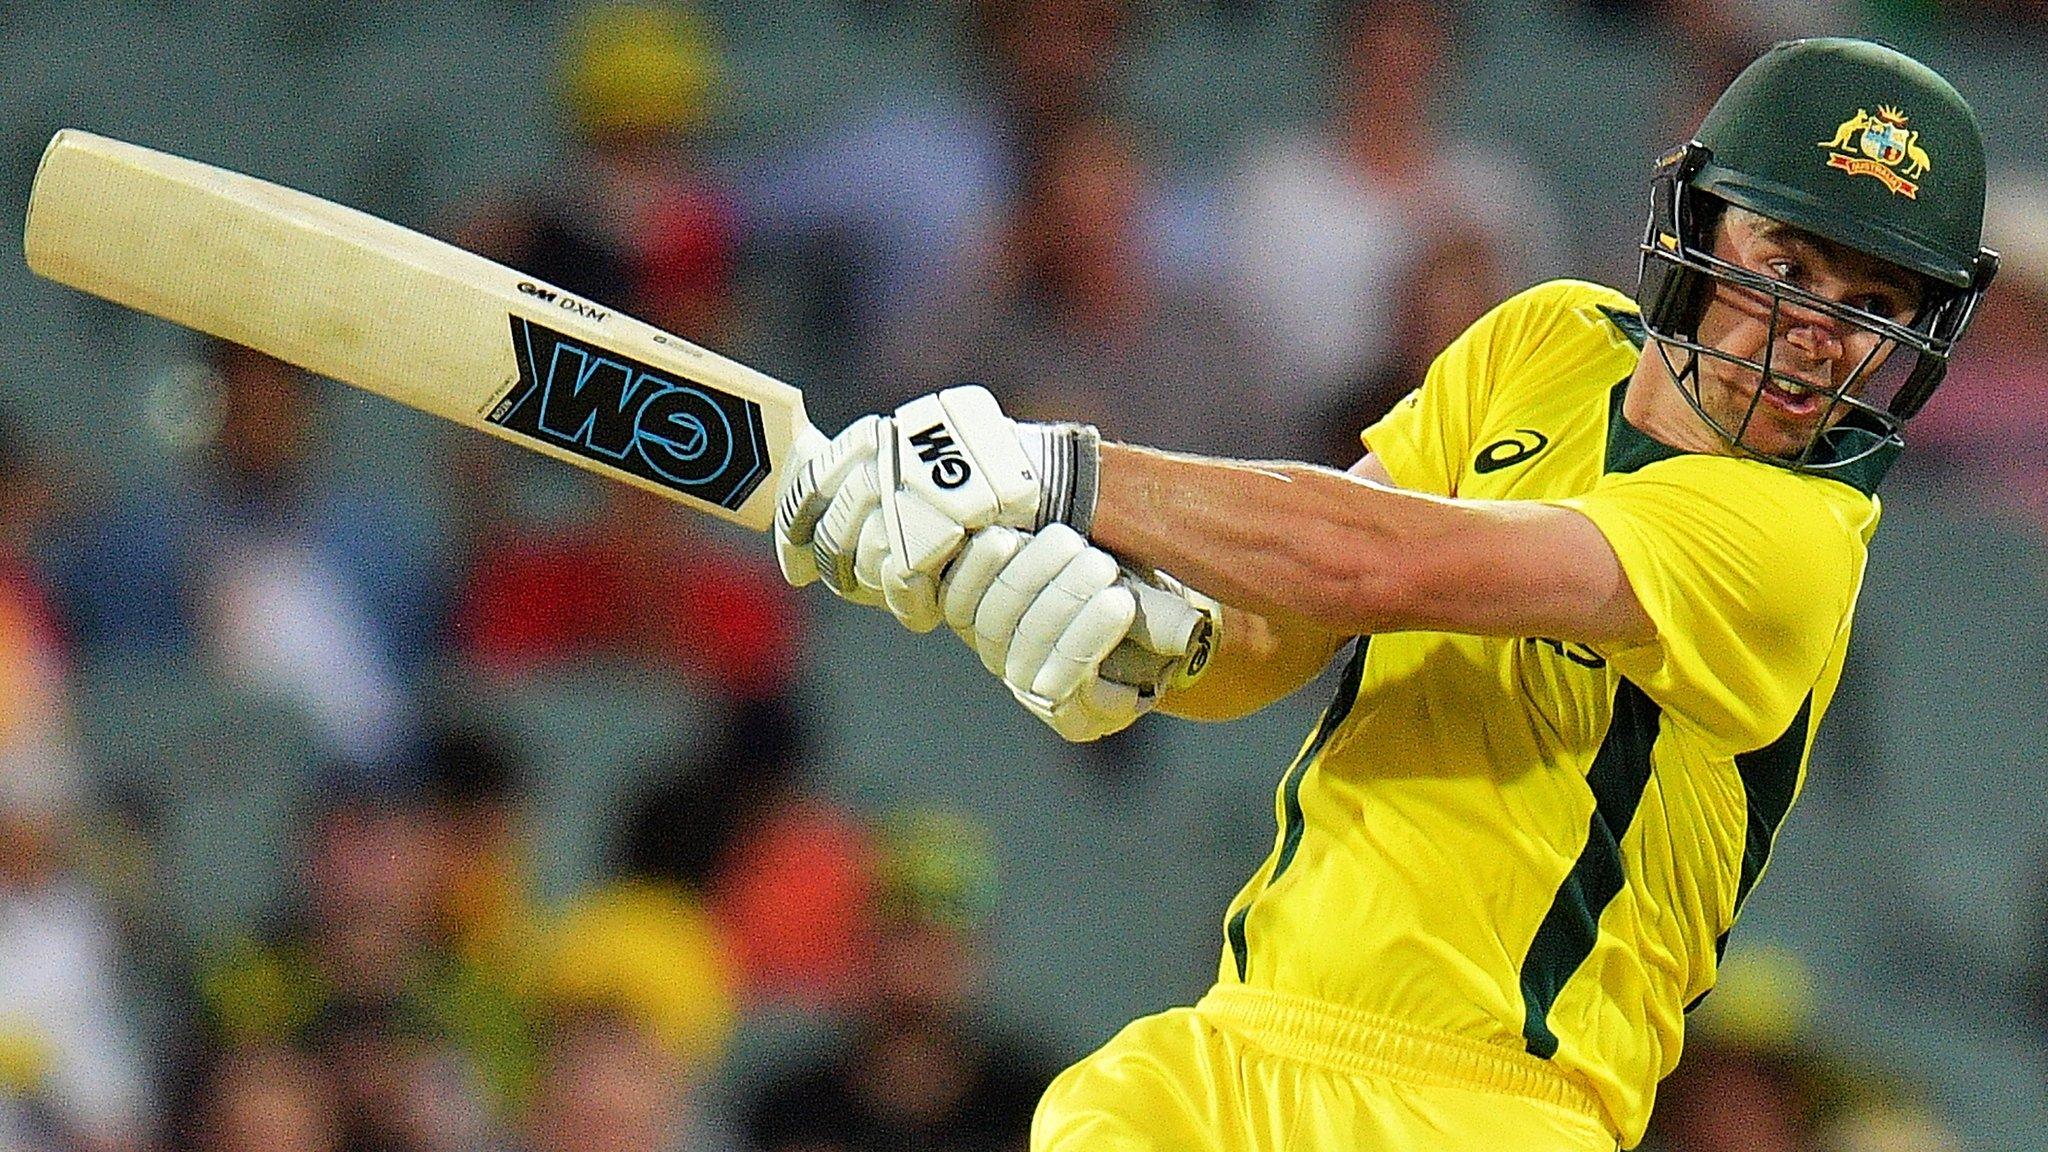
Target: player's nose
x,y
1813,333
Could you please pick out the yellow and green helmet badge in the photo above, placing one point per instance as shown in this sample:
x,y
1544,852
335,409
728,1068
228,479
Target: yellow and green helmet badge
x,y
1857,142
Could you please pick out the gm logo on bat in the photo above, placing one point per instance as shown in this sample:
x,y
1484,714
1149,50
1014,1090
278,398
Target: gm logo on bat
x,y
613,409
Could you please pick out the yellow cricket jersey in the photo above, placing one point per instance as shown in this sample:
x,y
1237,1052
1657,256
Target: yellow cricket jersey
x,y
1528,842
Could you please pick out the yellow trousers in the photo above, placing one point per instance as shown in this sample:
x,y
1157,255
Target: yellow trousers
x,y
1250,1071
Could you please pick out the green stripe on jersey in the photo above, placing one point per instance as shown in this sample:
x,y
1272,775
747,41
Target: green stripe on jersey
x,y
1770,779
1292,823
1618,776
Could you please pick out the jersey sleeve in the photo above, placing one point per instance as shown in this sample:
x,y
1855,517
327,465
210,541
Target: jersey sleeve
x,y
1749,574
1425,440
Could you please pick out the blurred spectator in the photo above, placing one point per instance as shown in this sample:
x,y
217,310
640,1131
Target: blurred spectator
x,y
322,597
266,1098
1757,1076
1078,319
1457,276
640,580
639,222
1748,25
644,950
919,1065
787,875
1888,1128
401,1081
1321,229
635,997
607,1085
892,209
477,789
71,1074
1733,1099
1990,418
484,903
70,1070
361,972
2009,17
37,760
635,221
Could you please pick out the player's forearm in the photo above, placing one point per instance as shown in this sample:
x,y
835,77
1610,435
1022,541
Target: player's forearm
x,y
1279,540
1257,660
1351,556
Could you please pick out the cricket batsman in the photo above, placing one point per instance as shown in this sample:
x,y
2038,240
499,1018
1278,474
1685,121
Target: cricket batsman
x,y
1596,577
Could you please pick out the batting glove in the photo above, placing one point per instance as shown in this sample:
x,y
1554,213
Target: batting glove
x,y
827,516
1085,645
955,465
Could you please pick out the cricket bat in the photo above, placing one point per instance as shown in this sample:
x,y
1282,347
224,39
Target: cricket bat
x,y
347,295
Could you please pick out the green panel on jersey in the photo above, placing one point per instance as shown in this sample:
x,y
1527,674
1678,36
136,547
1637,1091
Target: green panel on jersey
x,y
1770,779
1293,823
1619,773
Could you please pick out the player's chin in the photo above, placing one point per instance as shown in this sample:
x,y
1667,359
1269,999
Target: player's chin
x,y
1784,438
1766,431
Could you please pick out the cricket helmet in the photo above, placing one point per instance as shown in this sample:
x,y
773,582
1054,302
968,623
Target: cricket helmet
x,y
1856,143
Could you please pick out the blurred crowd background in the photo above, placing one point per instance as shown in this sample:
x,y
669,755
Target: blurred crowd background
x,y
368,786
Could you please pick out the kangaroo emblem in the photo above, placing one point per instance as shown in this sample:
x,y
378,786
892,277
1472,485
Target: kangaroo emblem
x,y
1849,128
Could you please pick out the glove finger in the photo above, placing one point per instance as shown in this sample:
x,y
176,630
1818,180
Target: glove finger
x,y
912,596
816,484
1042,559
1088,716
868,556
799,563
1106,707
974,571
1077,725
799,494
837,534
1077,654
922,537
1034,705
1055,609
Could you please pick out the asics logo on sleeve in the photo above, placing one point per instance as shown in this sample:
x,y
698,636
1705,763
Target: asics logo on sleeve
x,y
1510,451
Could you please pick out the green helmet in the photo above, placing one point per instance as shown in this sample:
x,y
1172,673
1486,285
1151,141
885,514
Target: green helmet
x,y
1857,143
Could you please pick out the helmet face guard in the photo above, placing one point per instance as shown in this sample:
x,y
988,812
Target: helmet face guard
x,y
1867,409
1795,139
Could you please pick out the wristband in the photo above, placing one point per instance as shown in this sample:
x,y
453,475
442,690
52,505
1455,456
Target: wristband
x,y
1068,458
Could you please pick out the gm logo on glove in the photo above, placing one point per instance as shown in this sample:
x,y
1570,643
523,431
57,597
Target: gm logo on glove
x,y
935,447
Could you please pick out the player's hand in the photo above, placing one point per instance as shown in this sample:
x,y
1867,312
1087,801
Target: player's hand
x,y
1166,648
955,465
1084,644
828,521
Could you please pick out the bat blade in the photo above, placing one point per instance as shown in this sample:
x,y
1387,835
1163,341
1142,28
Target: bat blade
x,y
360,299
